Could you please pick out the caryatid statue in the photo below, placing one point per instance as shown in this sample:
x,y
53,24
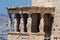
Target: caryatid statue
x,y
41,26
29,22
21,25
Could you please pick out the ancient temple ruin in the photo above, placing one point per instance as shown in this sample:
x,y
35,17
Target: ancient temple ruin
x,y
32,22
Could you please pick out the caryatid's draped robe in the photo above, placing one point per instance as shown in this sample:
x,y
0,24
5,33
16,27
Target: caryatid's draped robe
x,y
29,22
41,26
21,25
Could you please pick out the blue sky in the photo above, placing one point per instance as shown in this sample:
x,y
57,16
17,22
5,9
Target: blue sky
x,y
9,3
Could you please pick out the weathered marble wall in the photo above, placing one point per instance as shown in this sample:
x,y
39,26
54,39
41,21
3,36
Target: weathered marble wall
x,y
56,24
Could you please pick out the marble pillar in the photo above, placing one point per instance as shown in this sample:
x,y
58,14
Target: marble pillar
x,y
29,22
21,26
15,23
10,23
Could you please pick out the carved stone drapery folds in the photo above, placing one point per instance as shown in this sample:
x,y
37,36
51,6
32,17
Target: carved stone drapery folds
x,y
41,25
15,23
21,25
29,22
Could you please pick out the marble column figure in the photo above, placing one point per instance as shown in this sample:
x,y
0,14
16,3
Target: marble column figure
x,y
21,26
10,23
15,23
29,21
41,26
